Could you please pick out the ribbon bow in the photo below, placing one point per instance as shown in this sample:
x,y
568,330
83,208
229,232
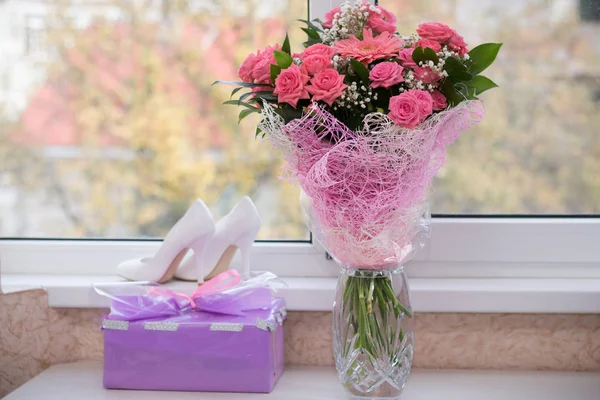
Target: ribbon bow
x,y
225,294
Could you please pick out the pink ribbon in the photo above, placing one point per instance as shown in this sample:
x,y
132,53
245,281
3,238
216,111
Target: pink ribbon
x,y
225,294
224,281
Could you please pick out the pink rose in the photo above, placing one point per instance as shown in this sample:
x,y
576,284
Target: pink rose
x,y
406,59
404,110
457,43
439,100
425,102
435,31
262,68
247,67
382,22
327,85
386,74
432,44
316,63
426,75
290,86
320,49
329,17
407,109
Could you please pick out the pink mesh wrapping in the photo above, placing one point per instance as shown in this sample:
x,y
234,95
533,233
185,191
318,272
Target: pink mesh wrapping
x,y
363,191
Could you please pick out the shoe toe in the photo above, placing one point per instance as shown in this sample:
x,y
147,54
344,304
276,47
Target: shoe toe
x,y
133,270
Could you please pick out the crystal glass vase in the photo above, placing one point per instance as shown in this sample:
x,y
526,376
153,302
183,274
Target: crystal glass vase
x,y
373,332
372,316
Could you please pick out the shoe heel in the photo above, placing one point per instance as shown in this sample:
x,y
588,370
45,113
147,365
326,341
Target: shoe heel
x,y
199,247
244,244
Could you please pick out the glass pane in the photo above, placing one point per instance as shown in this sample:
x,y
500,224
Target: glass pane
x,y
110,126
538,150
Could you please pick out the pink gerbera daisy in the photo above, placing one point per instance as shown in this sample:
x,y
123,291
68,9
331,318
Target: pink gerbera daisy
x,y
371,48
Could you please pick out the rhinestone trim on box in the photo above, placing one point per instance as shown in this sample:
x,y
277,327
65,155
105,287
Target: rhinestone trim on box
x,y
266,325
161,326
115,325
283,311
279,319
226,327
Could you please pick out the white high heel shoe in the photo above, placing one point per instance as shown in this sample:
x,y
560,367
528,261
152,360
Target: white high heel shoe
x,y
193,231
236,230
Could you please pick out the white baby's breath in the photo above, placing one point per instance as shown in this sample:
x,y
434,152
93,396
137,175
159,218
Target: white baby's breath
x,y
349,21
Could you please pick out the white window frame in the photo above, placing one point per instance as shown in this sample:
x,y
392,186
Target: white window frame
x,y
458,248
468,264
35,30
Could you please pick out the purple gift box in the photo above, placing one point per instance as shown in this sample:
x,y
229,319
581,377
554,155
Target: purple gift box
x,y
228,343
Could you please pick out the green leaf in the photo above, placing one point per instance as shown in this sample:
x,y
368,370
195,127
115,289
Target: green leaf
x,y
283,59
464,92
244,113
310,42
360,70
235,91
257,132
452,95
311,25
479,84
242,84
257,94
246,95
418,55
483,56
275,71
286,45
232,102
454,65
429,54
383,99
312,34
290,113
424,55
241,103
457,71
269,98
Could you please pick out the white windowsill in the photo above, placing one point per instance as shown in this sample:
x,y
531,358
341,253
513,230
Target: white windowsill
x,y
83,380
481,295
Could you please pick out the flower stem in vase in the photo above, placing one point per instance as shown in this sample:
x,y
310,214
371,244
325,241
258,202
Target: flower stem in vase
x,y
370,304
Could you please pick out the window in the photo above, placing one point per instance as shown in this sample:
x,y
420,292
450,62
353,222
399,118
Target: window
x,y
34,34
589,10
123,129
536,151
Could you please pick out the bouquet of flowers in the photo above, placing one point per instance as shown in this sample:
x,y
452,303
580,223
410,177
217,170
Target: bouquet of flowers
x,y
363,117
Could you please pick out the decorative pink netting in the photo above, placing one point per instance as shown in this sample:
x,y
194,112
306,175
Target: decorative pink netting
x,y
364,190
